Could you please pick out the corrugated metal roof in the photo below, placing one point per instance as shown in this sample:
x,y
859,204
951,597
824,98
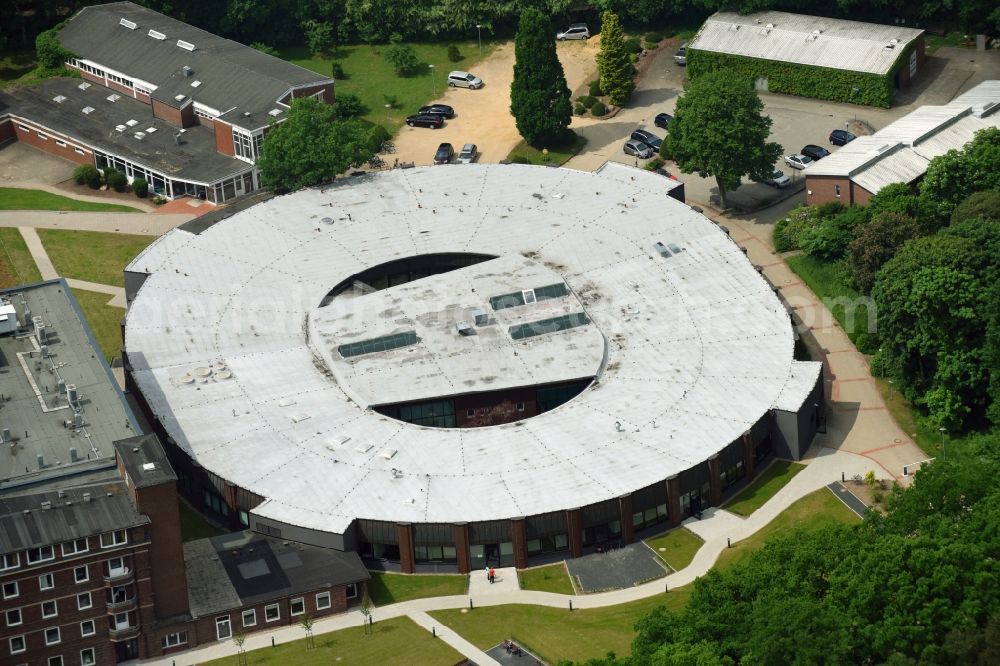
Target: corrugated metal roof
x,y
697,346
805,40
901,166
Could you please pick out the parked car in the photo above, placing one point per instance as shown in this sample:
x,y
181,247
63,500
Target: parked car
x,y
638,149
662,120
798,161
814,151
437,110
681,56
444,154
841,137
468,154
778,179
647,138
425,120
458,79
575,31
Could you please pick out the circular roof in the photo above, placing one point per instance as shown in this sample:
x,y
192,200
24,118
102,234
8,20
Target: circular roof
x,y
226,339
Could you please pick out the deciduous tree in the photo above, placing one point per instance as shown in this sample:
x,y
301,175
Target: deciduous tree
x,y
311,147
614,67
718,130
539,98
876,243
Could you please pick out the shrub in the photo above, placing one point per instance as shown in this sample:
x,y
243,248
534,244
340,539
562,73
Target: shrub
x,y
653,37
519,159
49,50
579,109
788,231
264,48
85,173
632,45
654,163
391,100
588,101
403,59
595,88
453,54
116,180
337,71
598,109
348,105
140,187
377,135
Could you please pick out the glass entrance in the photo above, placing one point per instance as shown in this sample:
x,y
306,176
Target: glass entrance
x,y
491,555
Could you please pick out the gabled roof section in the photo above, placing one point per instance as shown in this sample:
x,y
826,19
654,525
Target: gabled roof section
x,y
233,77
806,40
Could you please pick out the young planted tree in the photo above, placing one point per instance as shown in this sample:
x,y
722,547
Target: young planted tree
x,y
539,98
718,130
311,147
613,63
307,623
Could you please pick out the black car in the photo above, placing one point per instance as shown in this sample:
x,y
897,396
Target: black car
x,y
444,154
437,110
841,137
662,120
647,138
425,120
815,152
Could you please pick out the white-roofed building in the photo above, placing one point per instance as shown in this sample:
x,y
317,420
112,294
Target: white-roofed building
x,y
901,151
795,53
444,367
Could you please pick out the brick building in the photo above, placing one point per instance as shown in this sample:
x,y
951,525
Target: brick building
x,y
161,100
92,565
901,151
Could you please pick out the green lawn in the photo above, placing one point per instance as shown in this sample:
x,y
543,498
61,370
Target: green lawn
x,y
15,65
764,487
399,641
934,42
677,547
371,78
16,265
104,320
557,155
830,282
817,509
92,255
557,633
193,526
550,578
388,588
16,198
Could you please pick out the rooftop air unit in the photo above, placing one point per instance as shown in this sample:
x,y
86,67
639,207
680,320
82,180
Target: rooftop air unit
x,y
187,71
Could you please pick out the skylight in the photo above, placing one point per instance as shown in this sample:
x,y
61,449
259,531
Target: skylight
x,y
274,112
179,98
87,110
150,130
156,34
543,326
59,99
131,122
195,84
187,46
517,298
113,98
385,343
83,86
128,24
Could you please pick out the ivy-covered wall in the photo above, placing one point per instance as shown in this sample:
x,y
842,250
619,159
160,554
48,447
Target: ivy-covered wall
x,y
803,80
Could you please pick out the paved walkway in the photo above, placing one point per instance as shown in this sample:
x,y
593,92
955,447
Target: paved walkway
x,y
120,223
48,270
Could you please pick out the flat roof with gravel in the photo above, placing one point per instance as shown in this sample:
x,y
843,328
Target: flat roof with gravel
x,y
687,344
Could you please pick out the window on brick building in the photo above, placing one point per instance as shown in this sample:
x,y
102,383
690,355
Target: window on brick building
x,y
112,539
14,617
17,644
249,618
272,613
87,657
352,591
322,601
10,590
83,601
81,574
174,639
43,554
46,582
50,609
52,636
10,561
75,547
87,628
298,606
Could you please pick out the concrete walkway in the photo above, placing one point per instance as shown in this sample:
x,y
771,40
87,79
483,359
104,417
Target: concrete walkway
x,y
48,270
717,527
144,224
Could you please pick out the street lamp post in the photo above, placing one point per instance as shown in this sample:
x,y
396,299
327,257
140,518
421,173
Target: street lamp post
x,y
881,364
944,452
433,85
479,30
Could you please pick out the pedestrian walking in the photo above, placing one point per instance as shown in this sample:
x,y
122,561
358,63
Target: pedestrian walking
x,y
493,575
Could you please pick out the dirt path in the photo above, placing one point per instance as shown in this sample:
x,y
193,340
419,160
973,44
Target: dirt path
x,y
483,116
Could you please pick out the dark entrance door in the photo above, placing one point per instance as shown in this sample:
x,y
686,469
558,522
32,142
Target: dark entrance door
x,y
127,650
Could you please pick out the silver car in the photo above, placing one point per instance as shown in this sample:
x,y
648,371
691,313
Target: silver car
x,y
638,149
458,79
798,161
575,31
467,154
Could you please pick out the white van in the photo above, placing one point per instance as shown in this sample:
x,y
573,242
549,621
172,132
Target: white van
x,y
464,80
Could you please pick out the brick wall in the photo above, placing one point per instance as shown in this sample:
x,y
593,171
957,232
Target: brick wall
x,y
171,114
6,130
859,195
169,581
821,189
224,138
50,144
326,88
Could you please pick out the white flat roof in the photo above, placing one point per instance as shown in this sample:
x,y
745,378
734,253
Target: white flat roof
x,y
695,347
806,40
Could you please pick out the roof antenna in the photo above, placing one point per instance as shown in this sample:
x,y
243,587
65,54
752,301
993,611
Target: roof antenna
x,y
618,426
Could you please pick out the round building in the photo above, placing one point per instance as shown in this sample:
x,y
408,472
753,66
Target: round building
x,y
446,367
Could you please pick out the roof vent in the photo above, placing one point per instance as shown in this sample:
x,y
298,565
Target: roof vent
x,y
769,26
274,112
59,99
480,317
464,328
131,25
87,110
187,46
139,136
195,84
46,505
817,32
113,98
662,249
150,130
186,70
131,122
83,86
388,454
86,497
179,98
156,34
148,467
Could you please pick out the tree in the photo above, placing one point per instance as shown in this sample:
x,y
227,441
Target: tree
x,y
307,623
876,243
311,146
614,67
952,177
403,58
983,205
718,130
539,98
264,48
319,36
49,50
239,639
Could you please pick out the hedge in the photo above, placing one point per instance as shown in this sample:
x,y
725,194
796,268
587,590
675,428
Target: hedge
x,y
803,80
